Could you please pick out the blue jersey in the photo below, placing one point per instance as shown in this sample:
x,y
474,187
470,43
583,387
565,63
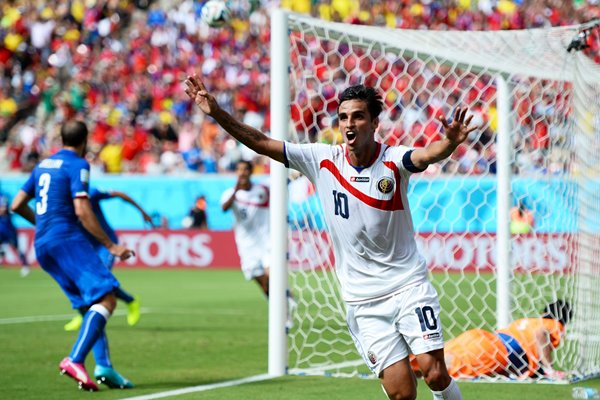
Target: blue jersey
x,y
6,226
8,233
97,195
5,223
54,183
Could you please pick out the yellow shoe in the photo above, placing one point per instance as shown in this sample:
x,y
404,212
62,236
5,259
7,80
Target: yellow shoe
x,y
74,324
133,312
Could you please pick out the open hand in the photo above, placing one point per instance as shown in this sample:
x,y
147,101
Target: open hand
x,y
148,219
555,375
458,130
121,251
198,93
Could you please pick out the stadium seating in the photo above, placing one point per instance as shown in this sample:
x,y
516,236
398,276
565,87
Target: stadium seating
x,y
120,67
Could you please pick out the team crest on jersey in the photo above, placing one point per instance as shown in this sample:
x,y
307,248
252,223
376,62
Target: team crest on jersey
x,y
385,185
372,357
359,179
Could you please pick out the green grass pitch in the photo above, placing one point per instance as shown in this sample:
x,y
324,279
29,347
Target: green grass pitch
x,y
197,328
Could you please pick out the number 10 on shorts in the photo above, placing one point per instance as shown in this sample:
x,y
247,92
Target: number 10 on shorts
x,y
426,318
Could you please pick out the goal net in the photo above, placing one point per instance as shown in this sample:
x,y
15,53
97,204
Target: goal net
x,y
533,167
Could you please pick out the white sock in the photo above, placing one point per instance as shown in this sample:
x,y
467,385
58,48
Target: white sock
x,y
452,392
100,309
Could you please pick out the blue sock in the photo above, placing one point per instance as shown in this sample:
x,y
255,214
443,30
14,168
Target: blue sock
x,y
100,350
92,327
23,259
123,295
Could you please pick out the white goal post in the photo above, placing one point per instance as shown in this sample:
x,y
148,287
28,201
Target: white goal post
x,y
539,147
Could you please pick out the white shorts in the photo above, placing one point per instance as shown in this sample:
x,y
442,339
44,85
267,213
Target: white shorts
x,y
388,330
253,267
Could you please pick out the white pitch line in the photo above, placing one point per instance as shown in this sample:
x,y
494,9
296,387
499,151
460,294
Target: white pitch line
x,y
118,312
201,388
43,318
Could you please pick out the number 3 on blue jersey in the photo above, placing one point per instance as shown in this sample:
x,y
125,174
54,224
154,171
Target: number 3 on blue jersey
x,y
341,204
42,206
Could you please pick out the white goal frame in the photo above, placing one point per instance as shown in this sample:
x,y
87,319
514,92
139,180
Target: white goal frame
x,y
280,125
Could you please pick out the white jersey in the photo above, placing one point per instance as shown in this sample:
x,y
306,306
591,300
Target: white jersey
x,y
251,213
368,217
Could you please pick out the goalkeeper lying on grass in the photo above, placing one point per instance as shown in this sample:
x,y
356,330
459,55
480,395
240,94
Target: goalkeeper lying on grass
x,y
521,350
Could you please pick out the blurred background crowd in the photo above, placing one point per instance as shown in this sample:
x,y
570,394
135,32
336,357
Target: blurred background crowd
x,y
120,64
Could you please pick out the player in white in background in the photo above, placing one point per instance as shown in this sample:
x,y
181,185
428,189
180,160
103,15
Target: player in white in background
x,y
392,308
250,205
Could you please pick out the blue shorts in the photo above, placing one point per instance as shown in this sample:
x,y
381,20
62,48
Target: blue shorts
x,y
9,236
107,259
518,360
78,270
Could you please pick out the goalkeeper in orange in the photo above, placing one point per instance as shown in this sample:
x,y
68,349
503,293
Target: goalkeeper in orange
x,y
522,349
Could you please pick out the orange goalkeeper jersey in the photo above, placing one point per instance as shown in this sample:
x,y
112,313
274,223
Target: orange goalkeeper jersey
x,y
524,331
475,353
513,349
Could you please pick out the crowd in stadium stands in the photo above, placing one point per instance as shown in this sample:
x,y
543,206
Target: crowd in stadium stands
x,y
120,64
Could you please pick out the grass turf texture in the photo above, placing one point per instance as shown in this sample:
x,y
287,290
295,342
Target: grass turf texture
x,y
198,327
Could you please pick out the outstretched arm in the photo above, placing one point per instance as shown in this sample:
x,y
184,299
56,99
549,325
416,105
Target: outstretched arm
x,y
545,350
85,213
20,206
455,132
128,199
253,138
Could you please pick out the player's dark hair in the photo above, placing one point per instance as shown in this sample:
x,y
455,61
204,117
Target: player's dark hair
x,y
73,133
247,162
560,310
366,94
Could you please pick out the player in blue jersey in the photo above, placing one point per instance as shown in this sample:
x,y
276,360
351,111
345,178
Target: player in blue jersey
x,y
8,235
62,211
133,304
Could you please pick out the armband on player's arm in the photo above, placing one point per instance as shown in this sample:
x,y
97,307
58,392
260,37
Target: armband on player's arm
x,y
408,163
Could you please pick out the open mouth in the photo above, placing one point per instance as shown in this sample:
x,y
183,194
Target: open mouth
x,y
350,135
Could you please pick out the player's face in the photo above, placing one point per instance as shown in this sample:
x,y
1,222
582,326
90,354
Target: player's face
x,y
356,124
243,172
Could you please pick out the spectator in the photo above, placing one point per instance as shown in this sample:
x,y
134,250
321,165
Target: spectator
x,y
197,218
521,219
54,61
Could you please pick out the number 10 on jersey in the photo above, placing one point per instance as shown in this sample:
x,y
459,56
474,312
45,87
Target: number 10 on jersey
x,y
340,200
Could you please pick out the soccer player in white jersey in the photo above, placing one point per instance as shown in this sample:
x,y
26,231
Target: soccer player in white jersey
x,y
392,308
250,205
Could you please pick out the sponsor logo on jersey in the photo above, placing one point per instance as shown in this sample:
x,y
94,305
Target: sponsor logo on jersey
x,y
430,336
372,357
359,179
385,185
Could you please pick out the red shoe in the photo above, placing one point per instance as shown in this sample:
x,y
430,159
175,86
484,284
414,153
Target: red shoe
x,y
77,372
